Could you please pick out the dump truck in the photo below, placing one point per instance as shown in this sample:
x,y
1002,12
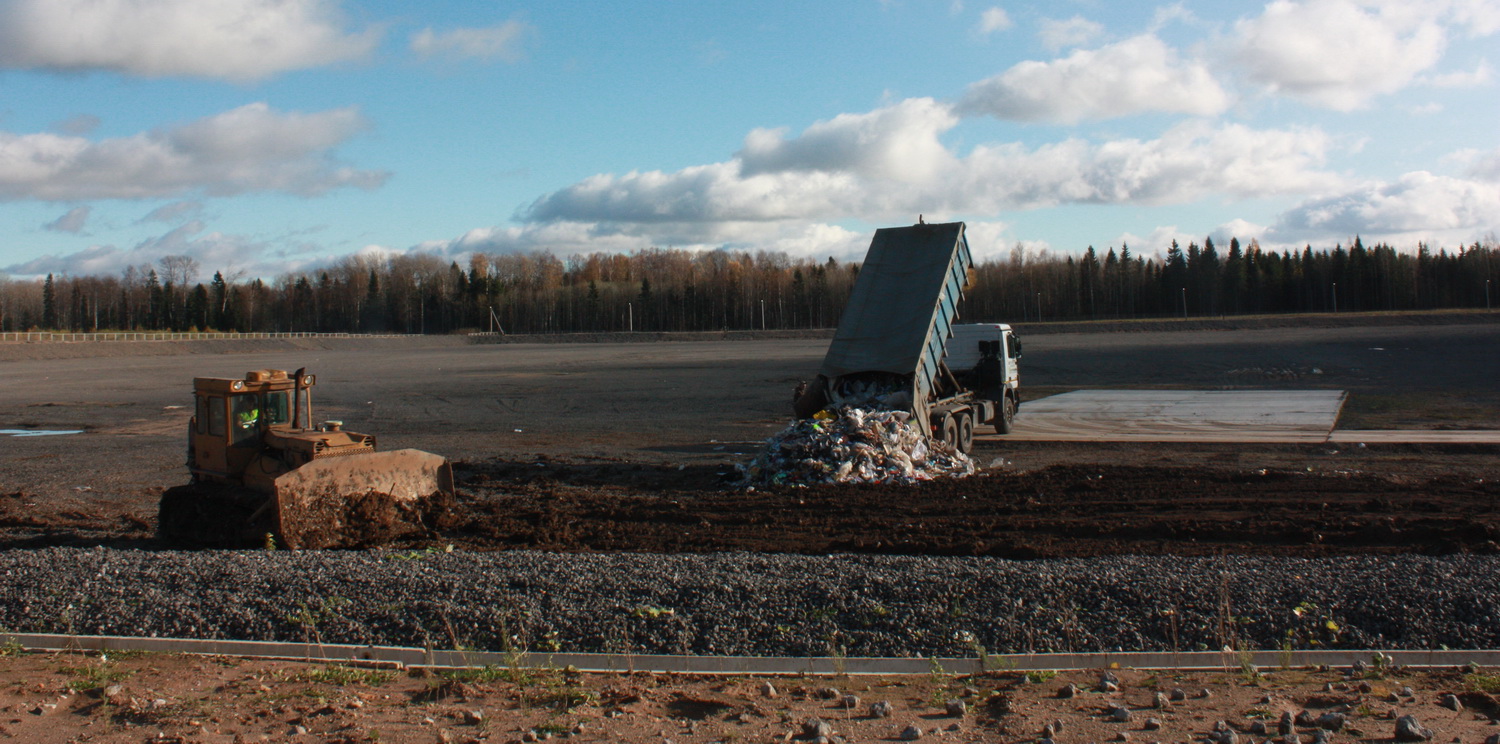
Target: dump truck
x,y
896,346
261,472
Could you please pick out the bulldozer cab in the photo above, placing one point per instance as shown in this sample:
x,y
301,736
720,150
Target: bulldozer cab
x,y
233,416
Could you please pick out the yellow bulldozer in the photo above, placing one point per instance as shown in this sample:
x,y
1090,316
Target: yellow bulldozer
x,y
261,472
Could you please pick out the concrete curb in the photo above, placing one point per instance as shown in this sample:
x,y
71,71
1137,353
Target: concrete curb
x,y
816,665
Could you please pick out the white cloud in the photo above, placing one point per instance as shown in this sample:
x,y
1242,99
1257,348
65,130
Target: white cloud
x,y
72,221
571,238
1156,243
1237,228
890,164
173,211
898,142
1134,76
492,42
994,19
1075,31
251,148
1483,166
1480,75
214,251
1338,53
1418,206
229,39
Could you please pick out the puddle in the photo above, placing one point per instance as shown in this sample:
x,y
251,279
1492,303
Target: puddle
x,y
39,432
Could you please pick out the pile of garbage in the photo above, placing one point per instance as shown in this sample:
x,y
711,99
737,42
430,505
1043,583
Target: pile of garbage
x,y
853,445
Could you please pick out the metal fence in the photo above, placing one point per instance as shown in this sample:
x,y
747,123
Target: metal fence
x,y
73,338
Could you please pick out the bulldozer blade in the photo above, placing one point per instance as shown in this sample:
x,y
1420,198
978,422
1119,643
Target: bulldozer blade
x,y
361,500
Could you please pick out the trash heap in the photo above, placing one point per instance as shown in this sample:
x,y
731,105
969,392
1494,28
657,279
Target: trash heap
x,y
853,445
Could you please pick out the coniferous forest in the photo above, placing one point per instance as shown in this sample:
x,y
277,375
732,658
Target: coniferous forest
x,y
679,290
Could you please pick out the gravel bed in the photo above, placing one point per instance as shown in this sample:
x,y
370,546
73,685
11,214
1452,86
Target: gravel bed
x,y
757,604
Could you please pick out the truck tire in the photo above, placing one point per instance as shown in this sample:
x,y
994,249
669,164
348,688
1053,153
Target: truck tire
x,y
949,431
965,432
1007,416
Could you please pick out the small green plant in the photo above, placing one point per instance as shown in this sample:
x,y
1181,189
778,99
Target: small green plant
x,y
310,618
11,647
93,677
1483,682
489,673
1039,676
269,543
652,613
344,676
416,555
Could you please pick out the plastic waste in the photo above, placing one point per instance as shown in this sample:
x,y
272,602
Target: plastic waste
x,y
853,445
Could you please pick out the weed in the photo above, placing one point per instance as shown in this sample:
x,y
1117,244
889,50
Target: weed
x,y
490,673
416,555
652,613
1039,676
92,677
1483,682
11,647
309,618
343,676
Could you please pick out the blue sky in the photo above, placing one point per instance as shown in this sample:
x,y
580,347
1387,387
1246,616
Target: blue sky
x,y
268,136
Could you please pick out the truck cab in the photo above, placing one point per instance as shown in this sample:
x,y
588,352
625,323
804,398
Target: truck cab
x,y
984,357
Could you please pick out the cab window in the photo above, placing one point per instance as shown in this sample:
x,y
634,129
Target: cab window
x,y
244,418
211,415
276,408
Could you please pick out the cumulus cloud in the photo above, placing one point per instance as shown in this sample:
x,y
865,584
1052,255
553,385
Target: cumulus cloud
x,y
1339,53
994,19
1075,31
239,40
251,148
1483,166
890,164
493,42
896,142
71,222
572,238
1480,75
214,251
173,211
1237,228
1134,76
1417,206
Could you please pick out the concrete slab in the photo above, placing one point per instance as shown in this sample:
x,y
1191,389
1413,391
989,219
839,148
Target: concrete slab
x,y
1179,416
1415,436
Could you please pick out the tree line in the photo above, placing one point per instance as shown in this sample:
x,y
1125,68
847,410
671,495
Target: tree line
x,y
679,290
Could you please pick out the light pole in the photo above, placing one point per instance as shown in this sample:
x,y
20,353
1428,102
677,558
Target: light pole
x,y
1335,296
1038,307
762,315
1486,294
1184,303
630,317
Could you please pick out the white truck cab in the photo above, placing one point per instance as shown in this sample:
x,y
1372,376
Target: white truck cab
x,y
969,347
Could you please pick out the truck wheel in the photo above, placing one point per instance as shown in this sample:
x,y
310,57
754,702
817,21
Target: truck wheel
x,y
965,432
1007,416
950,431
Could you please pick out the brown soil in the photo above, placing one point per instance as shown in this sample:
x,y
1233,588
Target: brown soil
x,y
1058,511
51,698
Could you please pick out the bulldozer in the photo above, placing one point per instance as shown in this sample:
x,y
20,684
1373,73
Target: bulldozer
x,y
262,473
